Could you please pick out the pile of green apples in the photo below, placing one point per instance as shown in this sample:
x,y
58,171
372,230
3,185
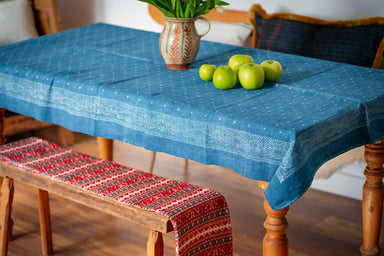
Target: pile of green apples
x,y
241,69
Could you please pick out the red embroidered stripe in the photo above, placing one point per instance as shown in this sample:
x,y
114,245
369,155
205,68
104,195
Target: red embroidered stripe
x,y
200,216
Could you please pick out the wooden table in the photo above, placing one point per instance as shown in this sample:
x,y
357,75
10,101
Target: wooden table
x,y
111,82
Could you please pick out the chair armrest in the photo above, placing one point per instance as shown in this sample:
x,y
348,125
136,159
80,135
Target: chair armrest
x,y
48,17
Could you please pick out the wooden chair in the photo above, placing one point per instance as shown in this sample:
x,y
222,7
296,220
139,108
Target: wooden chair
x,y
358,42
47,20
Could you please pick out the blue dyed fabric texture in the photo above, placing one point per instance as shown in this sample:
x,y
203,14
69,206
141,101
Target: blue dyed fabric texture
x,y
112,82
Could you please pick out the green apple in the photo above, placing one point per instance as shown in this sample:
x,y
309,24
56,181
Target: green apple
x,y
272,70
224,78
251,76
236,70
239,59
206,72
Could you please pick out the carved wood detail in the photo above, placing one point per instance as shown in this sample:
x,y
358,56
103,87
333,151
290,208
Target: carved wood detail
x,y
275,242
372,205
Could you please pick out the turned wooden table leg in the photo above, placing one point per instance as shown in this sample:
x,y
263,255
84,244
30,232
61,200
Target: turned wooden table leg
x,y
105,148
2,117
372,205
66,137
275,241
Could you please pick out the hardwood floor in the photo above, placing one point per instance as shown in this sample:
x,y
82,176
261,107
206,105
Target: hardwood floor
x,y
320,224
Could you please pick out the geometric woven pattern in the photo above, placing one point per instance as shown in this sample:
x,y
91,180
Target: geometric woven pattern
x,y
359,42
200,216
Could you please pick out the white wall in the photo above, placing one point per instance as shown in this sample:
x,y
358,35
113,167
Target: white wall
x,y
129,13
133,13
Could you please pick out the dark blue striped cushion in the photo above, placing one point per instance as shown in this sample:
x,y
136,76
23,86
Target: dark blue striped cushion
x,y
337,41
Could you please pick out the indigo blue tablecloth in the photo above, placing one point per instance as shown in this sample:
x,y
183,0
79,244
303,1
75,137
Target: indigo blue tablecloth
x,y
112,82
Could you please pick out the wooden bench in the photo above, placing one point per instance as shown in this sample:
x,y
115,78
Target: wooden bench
x,y
199,216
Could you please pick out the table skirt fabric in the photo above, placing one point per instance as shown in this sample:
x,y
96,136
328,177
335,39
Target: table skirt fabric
x,y
200,216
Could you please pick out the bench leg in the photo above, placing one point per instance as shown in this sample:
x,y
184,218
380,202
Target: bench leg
x,y
45,223
5,214
155,244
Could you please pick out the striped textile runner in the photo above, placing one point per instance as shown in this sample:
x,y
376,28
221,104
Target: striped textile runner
x,y
200,216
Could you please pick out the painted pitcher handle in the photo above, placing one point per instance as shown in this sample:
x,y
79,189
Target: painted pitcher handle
x,y
208,25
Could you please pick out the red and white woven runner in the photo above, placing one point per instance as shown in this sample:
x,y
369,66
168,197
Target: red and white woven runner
x,y
200,216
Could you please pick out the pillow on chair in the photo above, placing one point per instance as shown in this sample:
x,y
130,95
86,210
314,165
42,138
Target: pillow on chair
x,y
227,33
17,21
358,42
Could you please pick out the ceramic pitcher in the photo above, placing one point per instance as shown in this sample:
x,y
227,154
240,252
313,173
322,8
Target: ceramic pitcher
x,y
180,42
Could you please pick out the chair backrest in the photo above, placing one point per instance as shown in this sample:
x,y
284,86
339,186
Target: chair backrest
x,y
358,42
47,16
